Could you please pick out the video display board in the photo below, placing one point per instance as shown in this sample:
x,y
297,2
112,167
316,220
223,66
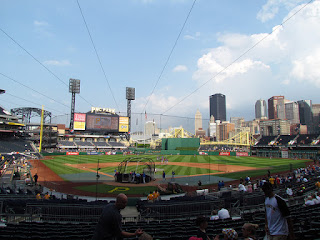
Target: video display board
x,y
102,122
79,121
123,124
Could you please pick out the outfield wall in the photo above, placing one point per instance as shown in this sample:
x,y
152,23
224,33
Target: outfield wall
x,y
175,143
154,152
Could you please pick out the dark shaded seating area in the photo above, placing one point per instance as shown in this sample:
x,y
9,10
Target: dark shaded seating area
x,y
14,145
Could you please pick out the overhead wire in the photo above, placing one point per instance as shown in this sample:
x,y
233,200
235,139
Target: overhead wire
x,y
32,102
244,53
52,73
96,52
172,49
33,90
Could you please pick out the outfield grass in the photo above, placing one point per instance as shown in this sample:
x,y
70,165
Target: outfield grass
x,y
57,164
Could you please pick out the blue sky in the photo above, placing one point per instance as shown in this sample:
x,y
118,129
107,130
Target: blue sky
x,y
134,39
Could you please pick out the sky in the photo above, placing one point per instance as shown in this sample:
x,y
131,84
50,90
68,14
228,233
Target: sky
x,y
175,53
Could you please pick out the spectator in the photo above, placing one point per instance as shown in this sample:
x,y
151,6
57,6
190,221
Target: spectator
x,y
109,225
202,223
214,215
46,196
309,201
289,191
156,195
223,213
150,197
315,199
228,233
317,185
199,183
278,222
163,175
249,231
242,188
272,180
38,196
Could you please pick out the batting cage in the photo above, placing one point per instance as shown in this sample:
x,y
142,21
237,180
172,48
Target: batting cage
x,y
136,170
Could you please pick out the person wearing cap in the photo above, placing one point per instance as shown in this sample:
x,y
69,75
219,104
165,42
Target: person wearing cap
x,y
278,224
202,223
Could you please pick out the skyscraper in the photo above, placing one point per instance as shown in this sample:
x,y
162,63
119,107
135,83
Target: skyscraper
x,y
197,121
305,114
261,109
292,112
276,107
218,106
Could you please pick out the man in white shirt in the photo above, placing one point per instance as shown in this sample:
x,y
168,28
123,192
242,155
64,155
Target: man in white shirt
x,y
278,222
289,191
223,213
242,188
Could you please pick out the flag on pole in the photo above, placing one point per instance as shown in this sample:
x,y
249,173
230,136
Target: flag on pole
x,y
145,115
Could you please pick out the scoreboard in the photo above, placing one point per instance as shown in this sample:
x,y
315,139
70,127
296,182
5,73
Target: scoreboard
x,y
101,122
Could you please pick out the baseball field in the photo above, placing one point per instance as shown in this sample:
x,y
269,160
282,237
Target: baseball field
x,y
77,174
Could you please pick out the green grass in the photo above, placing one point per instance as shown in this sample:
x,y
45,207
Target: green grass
x,y
57,164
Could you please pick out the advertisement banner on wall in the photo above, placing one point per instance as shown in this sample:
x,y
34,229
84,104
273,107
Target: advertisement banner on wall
x,y
123,124
224,153
79,121
72,153
242,154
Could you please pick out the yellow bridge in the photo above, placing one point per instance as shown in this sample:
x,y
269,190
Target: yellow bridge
x,y
241,139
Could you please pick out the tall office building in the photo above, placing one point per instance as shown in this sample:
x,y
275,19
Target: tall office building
x,y
197,121
276,107
218,106
316,117
305,114
292,112
261,109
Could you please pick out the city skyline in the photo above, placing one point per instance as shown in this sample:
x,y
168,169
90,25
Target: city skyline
x,y
266,48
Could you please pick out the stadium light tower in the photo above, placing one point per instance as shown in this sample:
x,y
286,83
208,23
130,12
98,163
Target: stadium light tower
x,y
74,87
130,95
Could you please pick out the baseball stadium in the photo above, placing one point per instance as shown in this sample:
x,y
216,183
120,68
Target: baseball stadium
x,y
65,187
110,165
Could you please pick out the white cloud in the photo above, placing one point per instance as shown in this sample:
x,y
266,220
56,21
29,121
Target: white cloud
x,y
307,68
272,7
57,63
40,23
284,62
192,37
180,68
